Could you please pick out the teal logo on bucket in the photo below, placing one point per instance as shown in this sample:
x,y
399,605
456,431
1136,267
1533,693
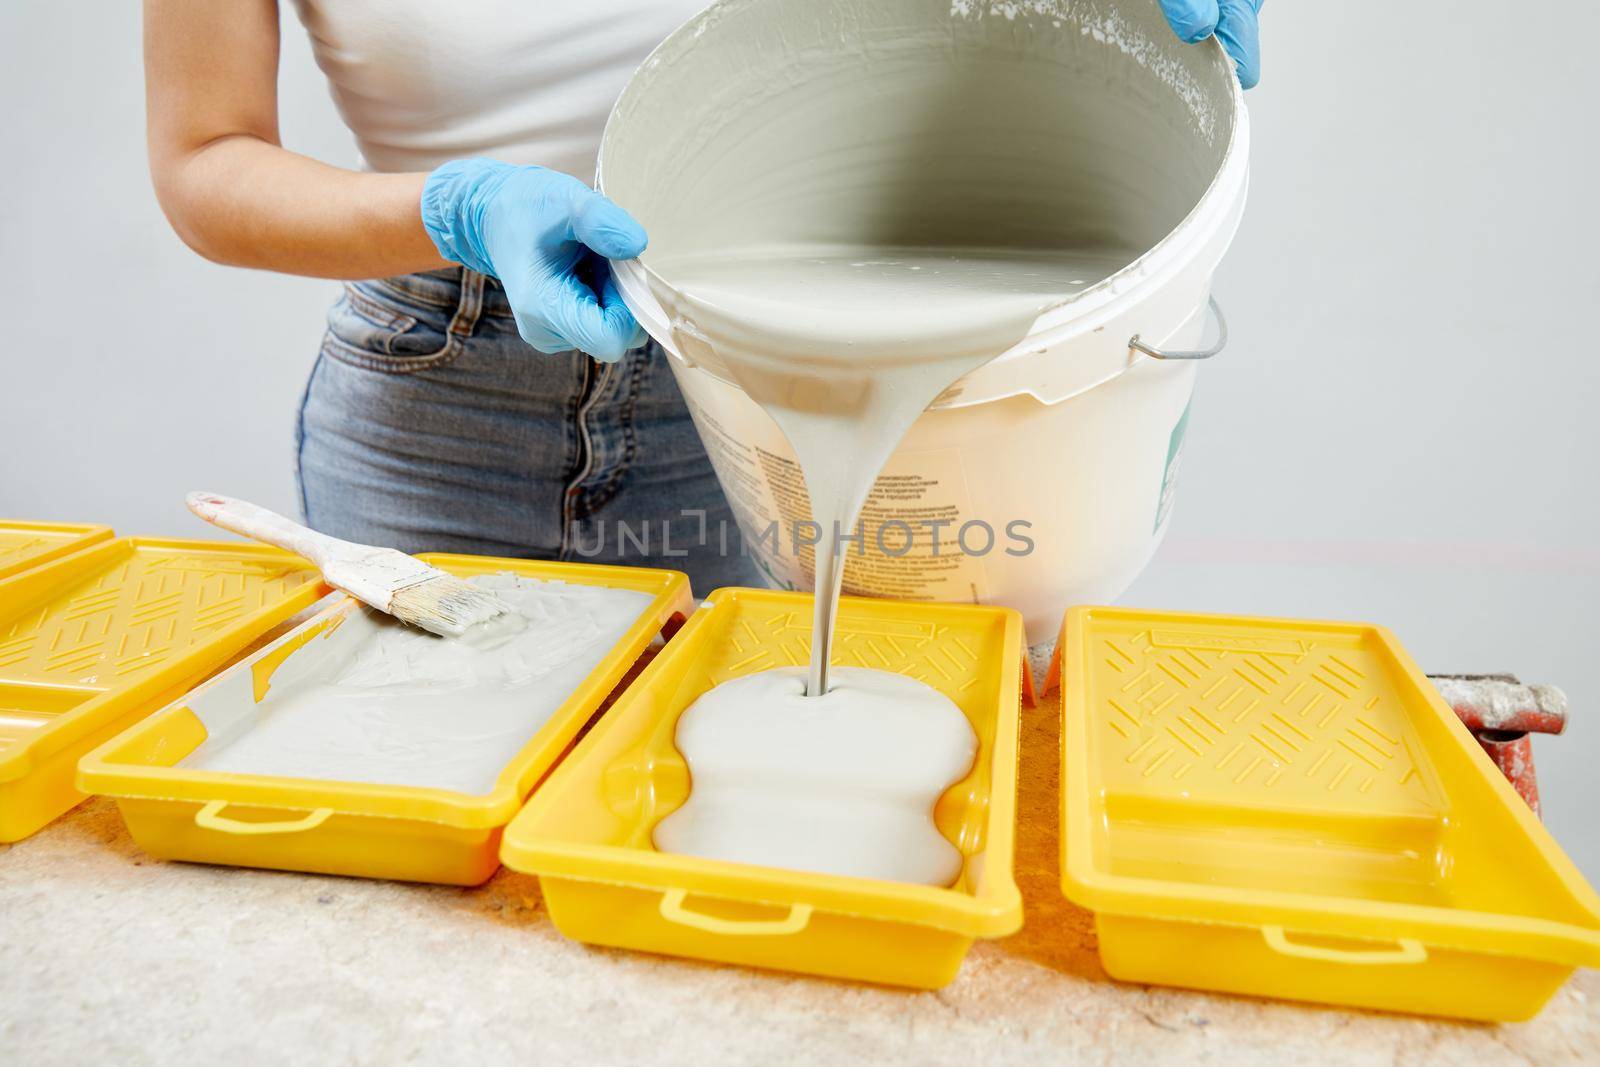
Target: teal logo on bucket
x,y
1169,476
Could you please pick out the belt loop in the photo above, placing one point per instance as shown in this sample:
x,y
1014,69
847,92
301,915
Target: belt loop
x,y
470,306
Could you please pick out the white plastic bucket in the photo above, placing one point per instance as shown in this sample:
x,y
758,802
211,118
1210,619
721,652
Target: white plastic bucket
x,y
1074,432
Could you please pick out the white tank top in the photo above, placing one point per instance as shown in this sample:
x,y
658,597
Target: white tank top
x,y
420,82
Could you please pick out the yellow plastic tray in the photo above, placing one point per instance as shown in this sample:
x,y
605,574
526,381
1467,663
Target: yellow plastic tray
x,y
587,832
26,544
94,639
352,828
1288,809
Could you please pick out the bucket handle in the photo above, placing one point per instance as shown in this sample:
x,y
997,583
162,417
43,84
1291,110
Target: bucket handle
x,y
1407,950
672,910
209,817
1204,353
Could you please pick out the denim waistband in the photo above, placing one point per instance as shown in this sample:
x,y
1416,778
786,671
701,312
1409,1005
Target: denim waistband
x,y
442,289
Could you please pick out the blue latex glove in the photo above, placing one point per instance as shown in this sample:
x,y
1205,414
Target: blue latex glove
x,y
547,237
1235,24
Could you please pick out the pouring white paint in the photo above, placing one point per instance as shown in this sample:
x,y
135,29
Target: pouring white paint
x,y
852,205
844,346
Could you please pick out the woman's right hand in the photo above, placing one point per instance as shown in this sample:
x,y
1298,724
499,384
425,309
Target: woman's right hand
x,y
1236,23
547,237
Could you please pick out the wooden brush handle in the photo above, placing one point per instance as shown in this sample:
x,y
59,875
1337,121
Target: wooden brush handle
x,y
252,520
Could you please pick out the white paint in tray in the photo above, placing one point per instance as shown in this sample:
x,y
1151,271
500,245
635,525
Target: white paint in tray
x,y
376,701
845,783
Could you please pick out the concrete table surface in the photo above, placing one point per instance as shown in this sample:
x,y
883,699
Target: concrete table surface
x,y
109,955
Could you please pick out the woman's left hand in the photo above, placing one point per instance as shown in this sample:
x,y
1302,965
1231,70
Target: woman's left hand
x,y
546,236
1234,22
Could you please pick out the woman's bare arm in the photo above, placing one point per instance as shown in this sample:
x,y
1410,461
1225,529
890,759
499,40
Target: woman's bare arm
x,y
237,196
230,190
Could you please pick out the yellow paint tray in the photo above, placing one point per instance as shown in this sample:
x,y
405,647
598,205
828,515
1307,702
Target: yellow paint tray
x,y
353,828
1288,809
27,544
92,640
587,832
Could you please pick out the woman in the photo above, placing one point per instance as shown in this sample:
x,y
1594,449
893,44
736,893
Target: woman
x,y
489,392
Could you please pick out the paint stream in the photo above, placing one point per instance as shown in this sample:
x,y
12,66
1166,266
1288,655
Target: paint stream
x,y
374,700
845,346
842,785
852,205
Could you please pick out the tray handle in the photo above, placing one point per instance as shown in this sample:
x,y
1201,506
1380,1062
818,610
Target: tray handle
x,y
672,910
209,817
1407,950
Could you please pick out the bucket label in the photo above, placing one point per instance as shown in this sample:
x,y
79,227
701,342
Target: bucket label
x,y
913,544
915,541
1169,475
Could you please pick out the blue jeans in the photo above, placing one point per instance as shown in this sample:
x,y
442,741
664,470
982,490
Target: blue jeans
x,y
427,425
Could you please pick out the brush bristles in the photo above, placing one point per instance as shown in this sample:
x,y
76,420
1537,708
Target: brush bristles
x,y
445,605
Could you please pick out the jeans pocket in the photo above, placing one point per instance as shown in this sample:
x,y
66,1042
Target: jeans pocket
x,y
368,329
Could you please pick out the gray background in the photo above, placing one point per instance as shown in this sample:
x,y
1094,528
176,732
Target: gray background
x,y
1401,430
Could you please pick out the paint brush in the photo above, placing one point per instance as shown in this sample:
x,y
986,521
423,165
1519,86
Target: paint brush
x,y
384,578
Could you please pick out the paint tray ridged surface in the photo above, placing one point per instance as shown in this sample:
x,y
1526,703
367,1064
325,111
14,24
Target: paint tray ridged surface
x,y
587,832
1288,809
356,828
27,544
92,640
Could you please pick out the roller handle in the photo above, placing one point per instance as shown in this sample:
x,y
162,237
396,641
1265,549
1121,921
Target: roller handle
x,y
253,521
